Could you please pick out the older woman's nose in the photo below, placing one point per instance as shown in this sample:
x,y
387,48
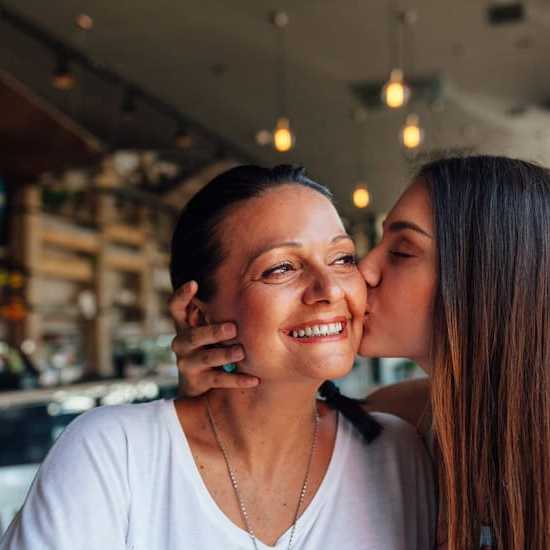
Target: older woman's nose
x,y
323,287
370,270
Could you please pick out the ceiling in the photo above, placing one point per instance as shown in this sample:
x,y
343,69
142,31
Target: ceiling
x,y
36,138
216,62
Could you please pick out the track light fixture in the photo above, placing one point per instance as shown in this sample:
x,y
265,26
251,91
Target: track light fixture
x,y
62,77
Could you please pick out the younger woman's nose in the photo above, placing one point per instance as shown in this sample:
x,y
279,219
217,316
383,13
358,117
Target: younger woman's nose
x,y
370,271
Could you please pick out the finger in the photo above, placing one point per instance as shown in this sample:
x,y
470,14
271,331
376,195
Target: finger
x,y
219,379
180,300
205,359
191,339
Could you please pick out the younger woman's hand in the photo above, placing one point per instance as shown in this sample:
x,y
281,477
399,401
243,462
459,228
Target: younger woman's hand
x,y
198,360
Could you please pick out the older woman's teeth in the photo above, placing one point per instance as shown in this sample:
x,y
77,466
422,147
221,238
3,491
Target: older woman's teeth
x,y
329,329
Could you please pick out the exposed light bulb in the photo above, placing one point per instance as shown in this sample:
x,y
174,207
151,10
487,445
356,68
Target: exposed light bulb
x,y
183,139
395,93
280,19
283,139
361,196
84,22
62,78
264,137
411,133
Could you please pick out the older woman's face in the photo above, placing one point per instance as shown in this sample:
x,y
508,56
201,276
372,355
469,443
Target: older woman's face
x,y
401,278
290,282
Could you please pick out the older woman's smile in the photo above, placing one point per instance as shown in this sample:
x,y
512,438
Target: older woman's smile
x,y
319,330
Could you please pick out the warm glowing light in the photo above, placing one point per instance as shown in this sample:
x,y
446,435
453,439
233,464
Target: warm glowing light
x,y
62,78
412,134
282,137
361,197
395,93
84,21
183,140
264,137
65,81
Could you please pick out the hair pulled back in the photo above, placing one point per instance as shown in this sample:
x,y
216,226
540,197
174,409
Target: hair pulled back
x,y
197,251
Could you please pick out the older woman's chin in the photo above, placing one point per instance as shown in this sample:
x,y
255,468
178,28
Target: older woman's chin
x,y
334,370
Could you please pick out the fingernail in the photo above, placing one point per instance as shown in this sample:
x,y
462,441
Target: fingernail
x,y
252,381
229,329
187,286
237,354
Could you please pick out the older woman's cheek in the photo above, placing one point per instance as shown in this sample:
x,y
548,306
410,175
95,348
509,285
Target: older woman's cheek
x,y
261,314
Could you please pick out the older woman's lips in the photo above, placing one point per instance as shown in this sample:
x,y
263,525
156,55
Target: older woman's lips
x,y
318,331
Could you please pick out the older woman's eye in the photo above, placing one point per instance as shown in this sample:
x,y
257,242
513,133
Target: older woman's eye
x,y
348,259
278,270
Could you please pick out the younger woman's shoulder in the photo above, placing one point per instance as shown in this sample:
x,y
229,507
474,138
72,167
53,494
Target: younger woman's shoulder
x,y
409,401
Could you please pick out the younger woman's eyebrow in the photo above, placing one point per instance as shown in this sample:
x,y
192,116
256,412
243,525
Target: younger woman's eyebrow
x,y
401,225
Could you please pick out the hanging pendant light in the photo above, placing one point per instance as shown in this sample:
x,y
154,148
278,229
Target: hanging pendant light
x,y
182,138
395,93
62,77
412,134
361,196
283,138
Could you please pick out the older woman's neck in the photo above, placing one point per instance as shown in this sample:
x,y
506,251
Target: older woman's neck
x,y
269,420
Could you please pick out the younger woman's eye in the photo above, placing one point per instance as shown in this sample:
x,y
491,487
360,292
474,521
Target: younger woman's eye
x,y
398,254
278,270
347,259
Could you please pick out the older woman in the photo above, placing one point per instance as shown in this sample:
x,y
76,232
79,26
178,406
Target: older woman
x,y
460,282
268,468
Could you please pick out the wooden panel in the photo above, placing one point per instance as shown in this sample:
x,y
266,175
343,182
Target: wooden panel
x,y
125,234
73,269
125,261
71,239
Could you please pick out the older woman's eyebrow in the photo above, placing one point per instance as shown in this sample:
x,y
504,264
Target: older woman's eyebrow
x,y
401,225
288,244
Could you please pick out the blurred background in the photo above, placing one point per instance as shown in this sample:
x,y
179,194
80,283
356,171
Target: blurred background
x,y
112,114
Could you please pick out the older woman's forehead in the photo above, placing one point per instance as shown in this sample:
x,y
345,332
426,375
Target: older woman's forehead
x,y
285,214
284,205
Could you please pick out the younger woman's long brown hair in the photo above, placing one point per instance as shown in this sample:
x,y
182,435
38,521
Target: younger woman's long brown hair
x,y
491,374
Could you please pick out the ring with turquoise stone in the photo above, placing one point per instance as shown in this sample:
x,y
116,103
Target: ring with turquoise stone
x,y
230,367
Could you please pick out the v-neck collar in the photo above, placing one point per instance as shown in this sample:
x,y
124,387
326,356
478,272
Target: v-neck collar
x,y
231,529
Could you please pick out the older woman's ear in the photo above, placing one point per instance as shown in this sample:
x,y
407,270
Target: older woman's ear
x,y
196,313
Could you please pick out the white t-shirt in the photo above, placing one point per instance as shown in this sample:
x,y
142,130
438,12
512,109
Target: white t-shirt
x,y
123,478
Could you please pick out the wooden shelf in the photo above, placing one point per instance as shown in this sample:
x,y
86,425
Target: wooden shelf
x,y
55,250
72,269
70,239
125,261
57,232
125,234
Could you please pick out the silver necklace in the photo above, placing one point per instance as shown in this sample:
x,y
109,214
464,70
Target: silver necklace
x,y
235,483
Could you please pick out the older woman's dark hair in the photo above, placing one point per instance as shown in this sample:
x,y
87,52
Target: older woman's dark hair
x,y
491,369
197,249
